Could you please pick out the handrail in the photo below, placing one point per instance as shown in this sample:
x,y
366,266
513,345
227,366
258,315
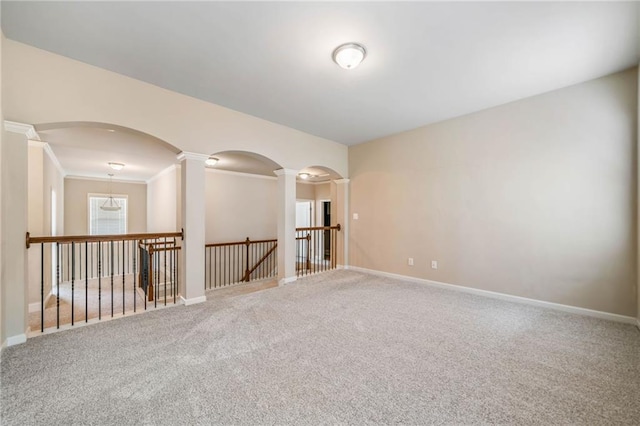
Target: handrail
x,y
247,275
97,238
247,242
320,228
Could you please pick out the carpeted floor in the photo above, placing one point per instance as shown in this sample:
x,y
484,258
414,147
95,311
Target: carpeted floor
x,y
337,348
96,306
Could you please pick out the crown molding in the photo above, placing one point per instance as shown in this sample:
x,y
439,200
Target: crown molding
x,y
52,156
54,159
99,179
286,172
25,129
341,181
161,173
186,155
240,174
304,182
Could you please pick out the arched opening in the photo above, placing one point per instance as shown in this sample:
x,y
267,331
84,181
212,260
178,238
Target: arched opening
x,y
91,179
241,219
317,236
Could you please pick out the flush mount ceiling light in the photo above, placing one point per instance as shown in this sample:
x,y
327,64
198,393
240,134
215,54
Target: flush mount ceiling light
x,y
304,175
116,166
349,55
211,161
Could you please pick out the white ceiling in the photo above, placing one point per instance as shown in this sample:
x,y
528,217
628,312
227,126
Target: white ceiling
x,y
85,150
426,61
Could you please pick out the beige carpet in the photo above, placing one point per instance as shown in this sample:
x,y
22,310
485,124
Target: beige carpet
x,y
335,348
96,306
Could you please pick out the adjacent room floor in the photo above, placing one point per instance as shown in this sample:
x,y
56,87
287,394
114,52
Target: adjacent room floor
x,y
339,347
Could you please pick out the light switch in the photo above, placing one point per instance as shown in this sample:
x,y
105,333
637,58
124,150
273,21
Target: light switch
x,y
355,216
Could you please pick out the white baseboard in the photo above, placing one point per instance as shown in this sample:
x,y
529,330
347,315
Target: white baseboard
x,y
35,307
193,301
16,340
288,280
502,296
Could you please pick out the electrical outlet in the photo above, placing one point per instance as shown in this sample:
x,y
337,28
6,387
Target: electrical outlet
x,y
434,264
410,262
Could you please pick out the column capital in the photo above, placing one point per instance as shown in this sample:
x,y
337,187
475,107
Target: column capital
x,y
341,181
24,129
285,172
186,155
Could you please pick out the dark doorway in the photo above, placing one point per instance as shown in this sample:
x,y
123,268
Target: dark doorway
x,y
326,221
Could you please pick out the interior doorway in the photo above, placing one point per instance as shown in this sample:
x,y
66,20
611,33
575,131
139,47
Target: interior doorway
x,y
326,221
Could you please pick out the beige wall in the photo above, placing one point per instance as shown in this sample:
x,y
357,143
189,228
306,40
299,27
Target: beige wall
x,y
43,177
14,227
536,198
72,91
76,192
162,201
305,191
240,206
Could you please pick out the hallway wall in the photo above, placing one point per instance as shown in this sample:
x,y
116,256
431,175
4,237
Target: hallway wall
x,y
536,198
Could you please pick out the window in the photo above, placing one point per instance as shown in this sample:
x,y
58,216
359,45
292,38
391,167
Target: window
x,y
105,222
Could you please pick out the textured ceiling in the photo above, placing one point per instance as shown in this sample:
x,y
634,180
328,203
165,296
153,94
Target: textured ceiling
x,y
426,61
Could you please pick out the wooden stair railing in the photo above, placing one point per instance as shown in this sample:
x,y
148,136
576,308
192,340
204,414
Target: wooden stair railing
x,y
239,261
84,265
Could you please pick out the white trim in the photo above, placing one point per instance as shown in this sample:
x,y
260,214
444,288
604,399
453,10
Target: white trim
x,y
285,172
101,179
289,280
24,129
47,148
193,301
341,181
502,296
161,173
54,159
242,174
306,182
186,155
34,307
17,340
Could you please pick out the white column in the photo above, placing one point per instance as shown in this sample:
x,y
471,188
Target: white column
x,y
14,214
286,225
342,217
193,225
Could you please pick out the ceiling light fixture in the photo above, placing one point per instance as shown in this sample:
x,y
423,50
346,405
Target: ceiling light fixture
x,y
349,55
211,161
110,204
304,175
116,166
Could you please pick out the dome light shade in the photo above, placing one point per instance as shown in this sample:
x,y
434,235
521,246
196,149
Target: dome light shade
x,y
304,175
116,166
349,55
211,161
